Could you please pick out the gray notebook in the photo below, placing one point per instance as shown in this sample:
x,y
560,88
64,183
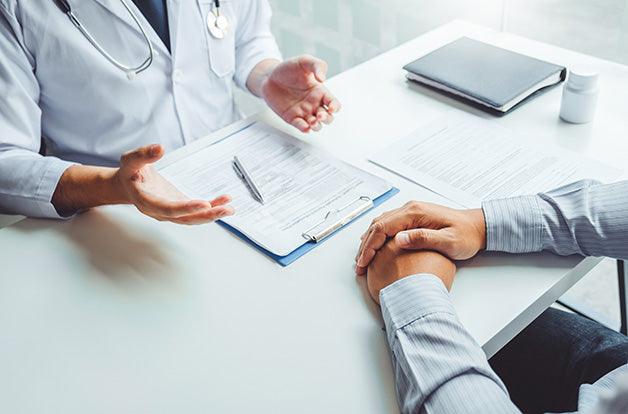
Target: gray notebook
x,y
486,75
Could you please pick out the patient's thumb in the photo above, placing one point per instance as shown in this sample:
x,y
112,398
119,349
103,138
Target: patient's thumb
x,y
419,239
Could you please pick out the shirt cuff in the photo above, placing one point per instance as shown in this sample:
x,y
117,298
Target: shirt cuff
x,y
412,298
47,186
514,225
264,49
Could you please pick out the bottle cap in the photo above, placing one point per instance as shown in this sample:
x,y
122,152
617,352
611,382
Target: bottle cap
x,y
583,79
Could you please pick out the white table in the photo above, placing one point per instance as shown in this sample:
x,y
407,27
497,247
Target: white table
x,y
113,312
6,220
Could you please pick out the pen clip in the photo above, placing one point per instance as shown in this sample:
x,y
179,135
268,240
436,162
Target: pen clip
x,y
248,181
238,172
338,218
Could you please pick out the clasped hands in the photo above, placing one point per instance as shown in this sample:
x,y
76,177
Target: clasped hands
x,y
418,238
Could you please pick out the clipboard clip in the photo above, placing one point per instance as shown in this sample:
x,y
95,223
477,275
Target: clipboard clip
x,y
336,219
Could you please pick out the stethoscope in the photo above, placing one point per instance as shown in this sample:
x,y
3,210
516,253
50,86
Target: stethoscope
x,y
217,24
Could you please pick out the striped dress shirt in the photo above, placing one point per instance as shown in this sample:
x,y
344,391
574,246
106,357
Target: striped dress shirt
x,y
438,366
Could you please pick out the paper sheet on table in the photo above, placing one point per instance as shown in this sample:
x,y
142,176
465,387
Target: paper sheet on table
x,y
301,184
469,159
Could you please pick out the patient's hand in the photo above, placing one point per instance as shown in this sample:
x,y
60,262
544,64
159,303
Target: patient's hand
x,y
393,263
458,234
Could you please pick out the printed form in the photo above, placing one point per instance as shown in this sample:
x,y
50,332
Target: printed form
x,y
469,159
301,184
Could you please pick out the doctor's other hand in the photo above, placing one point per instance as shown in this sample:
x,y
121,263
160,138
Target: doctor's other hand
x,y
142,186
295,90
458,234
392,263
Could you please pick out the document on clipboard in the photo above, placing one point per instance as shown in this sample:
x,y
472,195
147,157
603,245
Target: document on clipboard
x,y
308,193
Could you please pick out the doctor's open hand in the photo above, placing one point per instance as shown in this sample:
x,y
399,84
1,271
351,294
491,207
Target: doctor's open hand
x,y
458,234
295,90
136,182
154,196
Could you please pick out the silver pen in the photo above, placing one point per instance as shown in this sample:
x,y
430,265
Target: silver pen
x,y
248,179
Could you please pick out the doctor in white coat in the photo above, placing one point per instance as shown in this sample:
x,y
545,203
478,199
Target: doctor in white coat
x,y
105,119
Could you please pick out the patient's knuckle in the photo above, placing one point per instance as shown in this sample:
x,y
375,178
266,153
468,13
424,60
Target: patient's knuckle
x,y
418,208
419,236
415,207
378,227
447,243
385,249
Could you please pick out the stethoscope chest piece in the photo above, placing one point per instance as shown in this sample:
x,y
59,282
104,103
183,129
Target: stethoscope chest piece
x,y
217,24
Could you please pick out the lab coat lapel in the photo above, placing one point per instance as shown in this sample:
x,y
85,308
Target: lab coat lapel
x,y
174,12
117,9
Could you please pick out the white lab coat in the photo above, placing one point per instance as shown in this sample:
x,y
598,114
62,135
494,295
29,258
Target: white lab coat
x,y
54,84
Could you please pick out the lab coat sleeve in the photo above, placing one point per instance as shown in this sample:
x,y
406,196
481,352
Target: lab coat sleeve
x,y
254,40
27,179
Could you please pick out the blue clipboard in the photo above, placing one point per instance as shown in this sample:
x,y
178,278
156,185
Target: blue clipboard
x,y
308,245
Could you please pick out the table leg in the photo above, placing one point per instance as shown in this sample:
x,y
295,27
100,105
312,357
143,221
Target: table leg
x,y
623,303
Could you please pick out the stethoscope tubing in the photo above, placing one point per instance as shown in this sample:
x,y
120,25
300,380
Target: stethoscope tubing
x,y
129,70
66,8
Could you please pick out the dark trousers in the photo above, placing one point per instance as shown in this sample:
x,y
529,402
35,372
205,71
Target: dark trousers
x,y
544,366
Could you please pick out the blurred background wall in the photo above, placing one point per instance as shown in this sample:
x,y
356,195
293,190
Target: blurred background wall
x,y
348,32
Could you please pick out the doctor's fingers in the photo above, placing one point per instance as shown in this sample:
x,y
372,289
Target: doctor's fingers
x,y
210,211
323,116
301,125
331,103
208,216
160,207
136,159
314,124
221,200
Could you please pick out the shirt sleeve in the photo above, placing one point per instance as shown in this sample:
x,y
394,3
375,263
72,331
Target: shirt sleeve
x,y
438,366
586,218
254,40
608,395
27,179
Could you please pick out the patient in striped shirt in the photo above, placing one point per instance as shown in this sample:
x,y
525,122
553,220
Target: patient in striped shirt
x,y
560,363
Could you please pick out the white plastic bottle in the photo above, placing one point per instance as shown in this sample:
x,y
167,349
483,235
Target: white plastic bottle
x,y
580,96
